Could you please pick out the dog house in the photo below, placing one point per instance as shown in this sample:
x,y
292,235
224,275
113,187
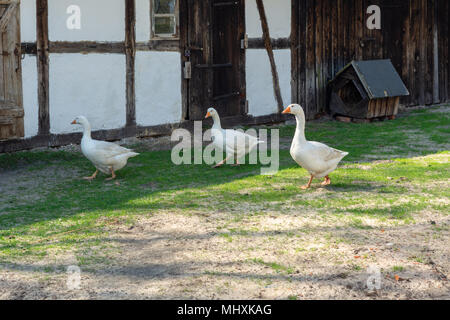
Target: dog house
x,y
366,90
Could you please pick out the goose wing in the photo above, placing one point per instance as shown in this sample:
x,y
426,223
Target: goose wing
x,y
325,152
235,140
108,149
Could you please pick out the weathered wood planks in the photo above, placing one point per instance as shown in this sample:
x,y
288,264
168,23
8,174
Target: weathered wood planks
x,y
326,35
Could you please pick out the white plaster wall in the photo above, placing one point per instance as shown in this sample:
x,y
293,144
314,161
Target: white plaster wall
x,y
28,20
142,20
260,94
278,14
158,88
101,20
30,96
92,85
283,61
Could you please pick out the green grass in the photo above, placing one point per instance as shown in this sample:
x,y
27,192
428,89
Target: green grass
x,y
279,268
53,210
398,268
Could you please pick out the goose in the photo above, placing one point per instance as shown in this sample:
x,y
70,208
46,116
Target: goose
x,y
233,142
107,157
317,158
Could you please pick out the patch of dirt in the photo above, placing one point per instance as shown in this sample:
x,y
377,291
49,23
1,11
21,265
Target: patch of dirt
x,y
175,256
27,185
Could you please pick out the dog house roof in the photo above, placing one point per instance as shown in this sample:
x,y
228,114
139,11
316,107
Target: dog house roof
x,y
379,78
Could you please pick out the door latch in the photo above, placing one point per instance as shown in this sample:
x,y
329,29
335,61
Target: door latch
x,y
187,70
244,42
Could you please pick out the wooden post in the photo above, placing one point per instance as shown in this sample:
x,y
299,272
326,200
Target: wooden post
x,y
310,60
295,48
268,45
42,65
435,53
130,52
183,12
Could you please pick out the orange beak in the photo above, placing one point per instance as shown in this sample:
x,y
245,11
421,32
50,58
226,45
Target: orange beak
x,y
287,110
74,122
208,115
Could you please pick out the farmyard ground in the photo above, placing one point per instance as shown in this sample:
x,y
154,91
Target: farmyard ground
x,y
192,232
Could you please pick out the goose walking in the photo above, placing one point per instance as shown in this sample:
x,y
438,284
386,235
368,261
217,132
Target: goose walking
x,y
233,142
317,158
107,157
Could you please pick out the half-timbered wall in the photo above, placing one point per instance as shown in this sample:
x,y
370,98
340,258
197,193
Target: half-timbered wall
x,y
158,88
102,20
92,85
87,84
29,70
129,84
260,94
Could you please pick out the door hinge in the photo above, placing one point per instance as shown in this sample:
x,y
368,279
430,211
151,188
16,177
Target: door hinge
x,y
244,42
187,70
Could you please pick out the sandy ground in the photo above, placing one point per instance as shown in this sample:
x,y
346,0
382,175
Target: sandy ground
x,y
171,256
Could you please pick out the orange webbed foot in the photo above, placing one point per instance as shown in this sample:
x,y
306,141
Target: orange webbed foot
x,y
327,181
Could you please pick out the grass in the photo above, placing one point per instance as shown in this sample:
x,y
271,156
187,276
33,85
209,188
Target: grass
x,y
50,210
274,266
398,269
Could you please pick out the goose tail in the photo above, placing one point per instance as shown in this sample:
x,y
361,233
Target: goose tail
x,y
132,154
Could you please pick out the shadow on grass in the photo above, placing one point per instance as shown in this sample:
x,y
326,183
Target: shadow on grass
x,y
152,182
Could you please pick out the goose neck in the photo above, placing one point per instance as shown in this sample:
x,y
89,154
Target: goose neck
x,y
86,131
216,120
300,130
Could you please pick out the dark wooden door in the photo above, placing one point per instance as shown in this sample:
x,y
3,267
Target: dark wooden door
x,y
11,105
217,60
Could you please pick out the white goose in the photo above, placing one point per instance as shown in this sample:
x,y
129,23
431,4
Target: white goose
x,y
107,157
317,158
233,142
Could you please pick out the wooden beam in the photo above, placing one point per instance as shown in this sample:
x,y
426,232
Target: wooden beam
x,y
242,60
159,45
277,44
86,47
42,46
130,51
295,50
184,44
28,48
269,48
310,60
435,53
58,140
7,15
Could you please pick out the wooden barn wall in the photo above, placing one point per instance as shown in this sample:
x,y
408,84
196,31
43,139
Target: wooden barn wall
x,y
328,34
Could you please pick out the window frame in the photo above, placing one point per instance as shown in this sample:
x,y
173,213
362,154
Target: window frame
x,y
168,36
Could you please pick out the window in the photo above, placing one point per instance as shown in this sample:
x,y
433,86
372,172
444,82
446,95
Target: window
x,y
164,15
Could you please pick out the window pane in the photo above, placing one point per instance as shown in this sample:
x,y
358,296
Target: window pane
x,y
164,6
164,25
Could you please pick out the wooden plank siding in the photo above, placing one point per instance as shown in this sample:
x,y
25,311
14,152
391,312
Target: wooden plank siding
x,y
42,45
326,35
